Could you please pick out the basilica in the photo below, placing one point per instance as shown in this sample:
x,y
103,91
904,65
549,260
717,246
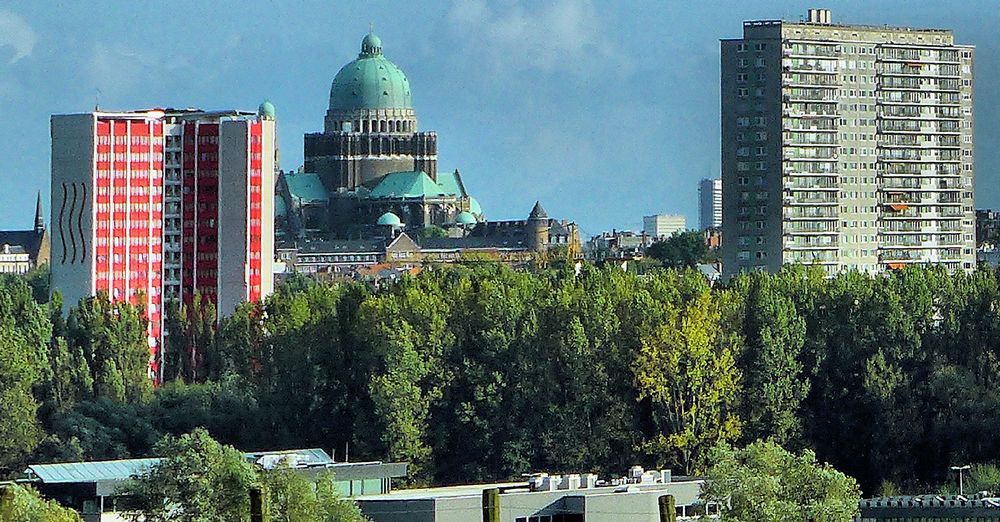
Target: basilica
x,y
371,163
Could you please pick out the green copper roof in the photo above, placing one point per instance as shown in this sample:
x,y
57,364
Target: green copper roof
x,y
474,206
370,82
406,185
465,218
389,219
451,183
306,188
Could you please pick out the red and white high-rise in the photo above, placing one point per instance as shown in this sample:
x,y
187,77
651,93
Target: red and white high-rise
x,y
160,205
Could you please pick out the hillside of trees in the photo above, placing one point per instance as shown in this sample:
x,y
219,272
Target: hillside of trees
x,y
483,372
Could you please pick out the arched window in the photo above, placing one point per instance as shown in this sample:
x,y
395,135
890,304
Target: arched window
x,y
381,126
367,126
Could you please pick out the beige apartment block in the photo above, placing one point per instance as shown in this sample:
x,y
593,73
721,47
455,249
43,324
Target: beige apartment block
x,y
846,146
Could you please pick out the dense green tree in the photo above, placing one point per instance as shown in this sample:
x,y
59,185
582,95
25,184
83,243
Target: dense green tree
x,y
774,381
197,480
293,498
681,250
765,483
112,338
692,381
23,504
25,332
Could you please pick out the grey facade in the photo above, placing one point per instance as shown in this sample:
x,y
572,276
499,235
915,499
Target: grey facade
x,y
846,146
527,502
710,203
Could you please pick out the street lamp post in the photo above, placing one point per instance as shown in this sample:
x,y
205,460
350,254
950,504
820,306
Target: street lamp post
x,y
960,469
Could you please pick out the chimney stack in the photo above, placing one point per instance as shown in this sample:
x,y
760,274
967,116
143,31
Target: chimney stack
x,y
820,16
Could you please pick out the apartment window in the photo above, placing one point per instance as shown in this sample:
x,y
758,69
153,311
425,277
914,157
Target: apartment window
x,y
742,92
760,46
761,254
761,151
760,120
760,62
744,255
741,77
761,165
759,91
741,47
743,151
742,166
761,136
744,181
742,62
743,121
760,225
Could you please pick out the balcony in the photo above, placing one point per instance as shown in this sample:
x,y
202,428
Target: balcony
x,y
811,228
810,213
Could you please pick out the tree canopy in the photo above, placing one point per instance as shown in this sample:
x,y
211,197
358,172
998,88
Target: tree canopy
x,y
765,483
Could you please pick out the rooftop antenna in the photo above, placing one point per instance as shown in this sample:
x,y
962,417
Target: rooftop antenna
x,y
371,27
97,99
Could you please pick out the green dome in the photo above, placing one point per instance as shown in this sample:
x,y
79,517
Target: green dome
x,y
370,82
465,218
389,219
266,110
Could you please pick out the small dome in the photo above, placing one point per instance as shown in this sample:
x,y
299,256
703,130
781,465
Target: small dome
x,y
370,82
389,219
266,110
371,44
474,206
465,218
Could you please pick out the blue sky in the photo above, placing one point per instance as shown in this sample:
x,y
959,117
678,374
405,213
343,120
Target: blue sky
x,y
605,111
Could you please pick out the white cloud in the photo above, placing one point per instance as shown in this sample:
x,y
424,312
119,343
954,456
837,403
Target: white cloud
x,y
561,35
16,34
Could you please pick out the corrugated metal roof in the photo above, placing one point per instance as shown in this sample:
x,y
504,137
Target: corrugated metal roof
x,y
117,470
90,471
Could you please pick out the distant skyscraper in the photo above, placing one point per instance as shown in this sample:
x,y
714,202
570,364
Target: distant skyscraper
x,y
163,205
710,203
846,146
663,225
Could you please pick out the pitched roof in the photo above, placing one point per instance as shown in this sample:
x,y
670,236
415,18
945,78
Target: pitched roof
x,y
537,212
30,240
406,185
451,183
306,187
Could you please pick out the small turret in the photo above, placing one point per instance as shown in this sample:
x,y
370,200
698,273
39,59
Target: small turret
x,y
538,228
